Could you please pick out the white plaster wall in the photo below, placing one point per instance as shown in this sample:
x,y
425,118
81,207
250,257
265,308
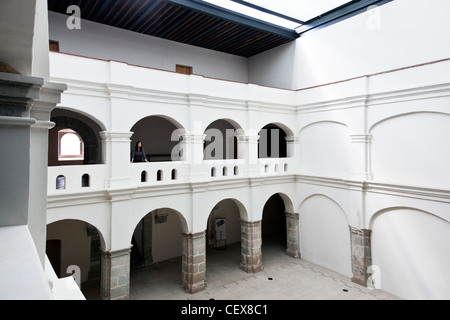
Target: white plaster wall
x,y
166,237
412,250
324,234
409,149
225,209
398,34
325,150
109,43
75,245
274,68
17,42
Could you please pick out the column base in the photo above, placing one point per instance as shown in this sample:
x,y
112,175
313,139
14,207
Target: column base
x,y
293,254
251,268
358,279
194,287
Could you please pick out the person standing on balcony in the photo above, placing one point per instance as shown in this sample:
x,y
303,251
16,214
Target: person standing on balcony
x,y
138,154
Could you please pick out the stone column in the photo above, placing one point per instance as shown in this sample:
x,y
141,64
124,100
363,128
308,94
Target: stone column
x,y
194,262
251,241
148,235
361,254
292,227
115,283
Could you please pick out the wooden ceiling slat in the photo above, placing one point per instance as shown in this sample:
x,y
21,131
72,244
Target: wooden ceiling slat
x,y
130,18
168,20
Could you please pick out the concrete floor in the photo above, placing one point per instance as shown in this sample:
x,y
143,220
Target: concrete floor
x,y
283,278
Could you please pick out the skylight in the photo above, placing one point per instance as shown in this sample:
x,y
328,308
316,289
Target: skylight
x,y
303,10
289,14
254,13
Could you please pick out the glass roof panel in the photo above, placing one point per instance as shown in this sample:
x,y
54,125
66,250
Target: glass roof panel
x,y
303,10
254,13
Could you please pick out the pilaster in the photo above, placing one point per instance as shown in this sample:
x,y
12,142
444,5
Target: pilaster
x,y
116,146
361,167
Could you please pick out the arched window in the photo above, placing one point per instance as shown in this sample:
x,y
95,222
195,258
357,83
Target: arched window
x,y
174,174
60,182
236,170
85,180
225,171
213,172
159,175
144,176
70,145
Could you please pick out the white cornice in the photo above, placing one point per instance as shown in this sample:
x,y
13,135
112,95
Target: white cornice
x,y
416,192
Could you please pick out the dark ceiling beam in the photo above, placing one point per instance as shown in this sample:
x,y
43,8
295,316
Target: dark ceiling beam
x,y
338,14
232,16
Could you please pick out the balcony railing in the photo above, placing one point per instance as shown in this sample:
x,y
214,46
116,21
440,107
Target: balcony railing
x,y
86,178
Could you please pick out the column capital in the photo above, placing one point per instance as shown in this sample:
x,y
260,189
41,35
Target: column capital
x,y
116,136
361,138
50,95
292,139
194,235
115,253
292,215
18,93
248,138
193,138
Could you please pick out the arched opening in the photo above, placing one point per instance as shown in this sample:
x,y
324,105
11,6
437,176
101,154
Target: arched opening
x,y
272,142
60,182
410,247
144,176
85,181
75,139
158,138
223,240
159,175
273,228
225,171
70,146
76,243
213,172
220,141
155,257
236,170
174,174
